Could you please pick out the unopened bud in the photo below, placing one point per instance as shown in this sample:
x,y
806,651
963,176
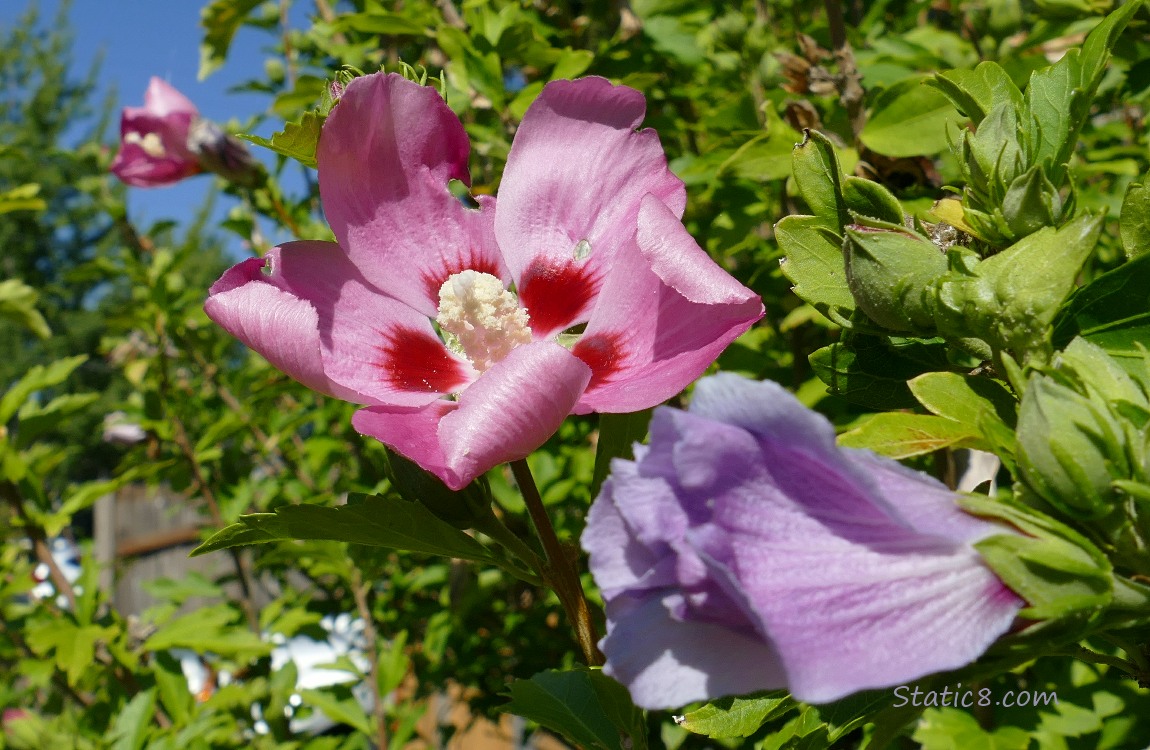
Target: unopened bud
x,y
222,154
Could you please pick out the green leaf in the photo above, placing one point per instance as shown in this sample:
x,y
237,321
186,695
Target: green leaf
x,y
172,686
1058,98
74,646
130,729
872,200
377,22
587,707
736,716
35,420
18,303
338,704
819,180
1112,312
298,140
1134,224
572,63
952,729
967,399
374,520
976,92
813,262
617,434
910,119
220,19
215,629
22,198
38,377
464,509
900,435
872,371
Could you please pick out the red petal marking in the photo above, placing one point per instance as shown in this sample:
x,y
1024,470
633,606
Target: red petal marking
x,y
601,352
457,265
417,361
556,298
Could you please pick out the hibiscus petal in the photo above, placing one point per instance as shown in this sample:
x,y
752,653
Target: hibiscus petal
x,y
508,412
666,662
848,617
386,154
511,409
162,99
665,313
577,172
371,348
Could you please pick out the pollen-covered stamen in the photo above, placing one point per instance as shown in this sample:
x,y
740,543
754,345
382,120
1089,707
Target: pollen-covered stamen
x,y
484,319
150,142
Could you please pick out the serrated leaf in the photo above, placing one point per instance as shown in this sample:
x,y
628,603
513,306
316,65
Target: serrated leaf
x,y
813,262
220,20
74,646
910,107
35,420
736,716
587,707
298,140
378,521
900,435
617,434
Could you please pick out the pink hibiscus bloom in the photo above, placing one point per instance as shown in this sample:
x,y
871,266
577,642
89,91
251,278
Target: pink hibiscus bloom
x,y
154,139
587,230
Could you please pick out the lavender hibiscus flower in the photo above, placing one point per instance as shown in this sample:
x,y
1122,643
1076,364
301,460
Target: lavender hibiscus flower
x,y
587,229
743,550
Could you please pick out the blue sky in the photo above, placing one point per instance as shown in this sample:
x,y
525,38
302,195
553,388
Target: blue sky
x,y
142,38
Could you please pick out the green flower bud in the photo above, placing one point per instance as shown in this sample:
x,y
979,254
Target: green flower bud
x,y
1070,449
1056,570
891,274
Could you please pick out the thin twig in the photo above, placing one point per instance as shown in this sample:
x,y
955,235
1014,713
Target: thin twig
x,y
39,543
849,81
559,569
378,712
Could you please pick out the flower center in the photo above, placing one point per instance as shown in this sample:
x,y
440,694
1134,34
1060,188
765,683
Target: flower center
x,y
150,142
480,319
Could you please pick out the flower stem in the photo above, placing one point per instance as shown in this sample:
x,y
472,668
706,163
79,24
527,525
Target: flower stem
x,y
559,569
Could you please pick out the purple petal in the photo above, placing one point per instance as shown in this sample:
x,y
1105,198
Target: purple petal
x,y
665,313
666,662
570,194
386,155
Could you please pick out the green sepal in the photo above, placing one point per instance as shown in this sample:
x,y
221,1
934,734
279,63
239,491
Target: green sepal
x,y
1054,568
